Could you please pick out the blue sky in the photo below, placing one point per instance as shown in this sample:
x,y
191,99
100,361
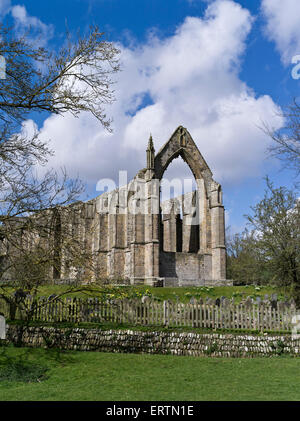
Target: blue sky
x,y
219,68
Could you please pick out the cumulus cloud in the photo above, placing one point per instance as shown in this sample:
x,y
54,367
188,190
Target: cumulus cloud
x,y
23,21
4,7
190,79
282,26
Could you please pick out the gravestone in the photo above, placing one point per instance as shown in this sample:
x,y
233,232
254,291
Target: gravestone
x,y
226,302
248,302
145,299
210,301
274,304
2,327
292,302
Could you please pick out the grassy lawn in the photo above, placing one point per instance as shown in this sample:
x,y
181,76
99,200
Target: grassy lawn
x,y
183,294
95,376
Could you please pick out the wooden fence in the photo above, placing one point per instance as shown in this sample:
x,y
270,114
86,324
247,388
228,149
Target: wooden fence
x,y
154,313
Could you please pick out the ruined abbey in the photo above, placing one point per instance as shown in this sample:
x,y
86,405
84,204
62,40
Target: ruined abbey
x,y
134,238
177,242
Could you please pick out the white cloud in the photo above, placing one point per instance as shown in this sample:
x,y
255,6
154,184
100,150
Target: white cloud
x,y
23,21
190,79
21,16
4,7
282,26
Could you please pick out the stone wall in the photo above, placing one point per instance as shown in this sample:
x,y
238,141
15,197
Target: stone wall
x,y
186,269
175,343
183,266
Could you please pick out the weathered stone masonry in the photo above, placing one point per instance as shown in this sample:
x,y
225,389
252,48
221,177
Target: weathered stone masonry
x,y
134,237
129,341
156,243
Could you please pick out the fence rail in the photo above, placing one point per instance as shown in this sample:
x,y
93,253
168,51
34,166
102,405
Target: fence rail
x,y
153,313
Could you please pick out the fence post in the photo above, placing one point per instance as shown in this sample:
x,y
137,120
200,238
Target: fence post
x,y
165,314
2,327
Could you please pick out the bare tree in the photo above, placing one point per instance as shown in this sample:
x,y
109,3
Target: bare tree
x,y
77,78
286,141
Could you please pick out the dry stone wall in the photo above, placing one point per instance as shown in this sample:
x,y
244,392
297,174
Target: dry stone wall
x,y
156,342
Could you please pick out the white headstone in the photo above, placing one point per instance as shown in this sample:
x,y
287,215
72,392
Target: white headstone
x,y
2,327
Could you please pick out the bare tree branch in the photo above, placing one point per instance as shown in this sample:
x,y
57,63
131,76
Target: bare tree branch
x,y
286,141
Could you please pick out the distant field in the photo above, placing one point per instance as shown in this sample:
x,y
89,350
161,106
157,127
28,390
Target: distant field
x,y
180,293
95,376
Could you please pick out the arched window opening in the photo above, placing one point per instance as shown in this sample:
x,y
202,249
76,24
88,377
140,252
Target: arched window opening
x,y
179,226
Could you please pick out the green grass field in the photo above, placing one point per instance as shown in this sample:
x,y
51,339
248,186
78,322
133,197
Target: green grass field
x,y
95,376
183,294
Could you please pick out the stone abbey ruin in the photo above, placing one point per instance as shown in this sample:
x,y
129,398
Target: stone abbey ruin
x,y
134,238
138,239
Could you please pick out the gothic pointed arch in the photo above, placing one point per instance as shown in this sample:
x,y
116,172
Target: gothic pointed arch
x,y
182,144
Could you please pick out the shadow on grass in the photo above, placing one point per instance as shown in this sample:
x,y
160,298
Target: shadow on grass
x,y
28,365
18,368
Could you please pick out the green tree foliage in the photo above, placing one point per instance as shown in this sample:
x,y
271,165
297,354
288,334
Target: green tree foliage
x,y
244,262
270,251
